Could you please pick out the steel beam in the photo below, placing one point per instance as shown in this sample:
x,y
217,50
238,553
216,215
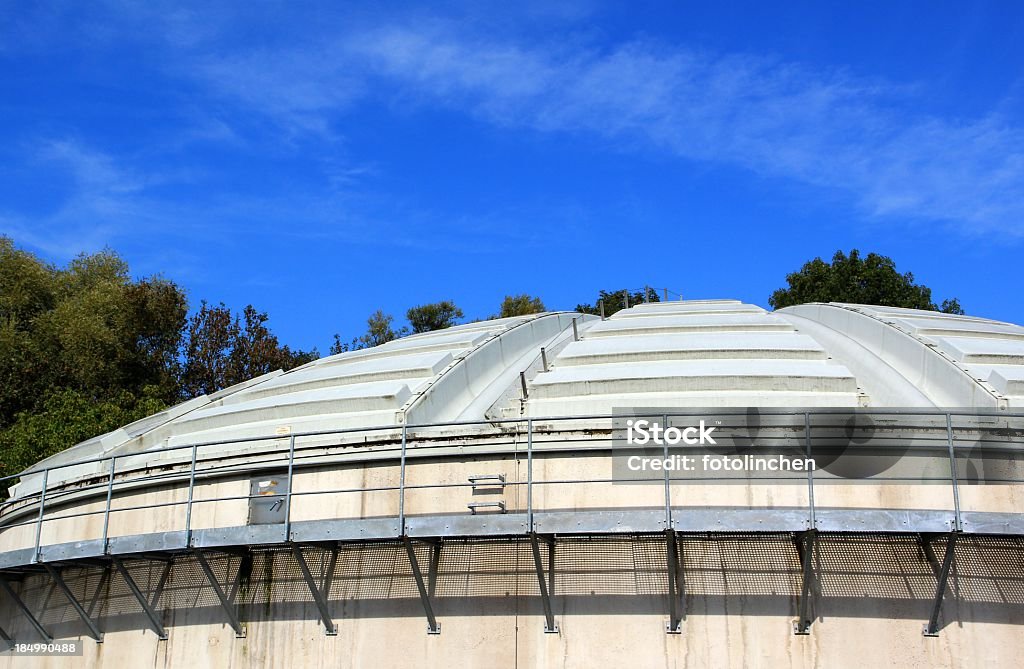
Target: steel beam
x,y
319,597
328,579
143,602
545,595
805,542
676,585
160,584
435,563
229,610
942,576
58,578
432,625
104,577
24,609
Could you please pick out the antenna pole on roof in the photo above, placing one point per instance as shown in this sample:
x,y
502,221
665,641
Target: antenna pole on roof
x,y
665,290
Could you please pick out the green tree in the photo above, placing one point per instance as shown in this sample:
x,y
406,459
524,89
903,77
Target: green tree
x,y
379,330
520,305
433,316
616,301
872,279
87,327
66,417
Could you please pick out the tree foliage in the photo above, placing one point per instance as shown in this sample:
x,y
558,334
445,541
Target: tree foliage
x,y
520,305
872,279
379,330
222,349
433,316
66,417
86,348
616,301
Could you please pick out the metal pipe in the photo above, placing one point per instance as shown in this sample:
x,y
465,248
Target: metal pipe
x,y
575,331
432,626
544,358
55,574
529,475
957,522
150,613
288,491
811,520
39,522
668,487
106,509
25,610
401,485
191,490
549,617
522,383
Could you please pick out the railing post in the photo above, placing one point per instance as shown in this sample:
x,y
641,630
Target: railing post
x,y
288,490
957,523
529,475
668,488
39,521
106,509
811,520
191,492
401,485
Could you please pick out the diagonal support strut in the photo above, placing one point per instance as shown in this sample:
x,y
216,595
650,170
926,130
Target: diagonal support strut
x,y
143,602
432,625
229,609
24,609
806,542
320,597
931,629
546,586
58,578
676,585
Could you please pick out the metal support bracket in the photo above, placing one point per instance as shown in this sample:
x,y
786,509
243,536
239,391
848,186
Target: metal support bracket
x,y
320,597
805,542
432,625
229,609
676,585
435,564
547,585
158,627
931,628
58,578
24,609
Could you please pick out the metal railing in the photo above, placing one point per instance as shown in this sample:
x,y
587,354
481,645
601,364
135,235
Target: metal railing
x,y
808,431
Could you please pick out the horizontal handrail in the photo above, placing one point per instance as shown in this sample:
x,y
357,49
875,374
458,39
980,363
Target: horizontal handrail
x,y
938,437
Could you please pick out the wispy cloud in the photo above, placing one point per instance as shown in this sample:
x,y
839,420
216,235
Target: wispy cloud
x,y
828,129
864,138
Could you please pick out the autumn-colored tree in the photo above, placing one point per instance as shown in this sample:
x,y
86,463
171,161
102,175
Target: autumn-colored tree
x,y
222,349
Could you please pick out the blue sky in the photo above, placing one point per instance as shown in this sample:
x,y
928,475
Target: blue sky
x,y
322,161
